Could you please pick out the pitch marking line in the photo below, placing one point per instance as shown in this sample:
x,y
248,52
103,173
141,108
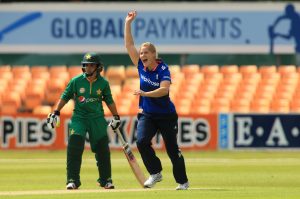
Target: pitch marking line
x,y
57,192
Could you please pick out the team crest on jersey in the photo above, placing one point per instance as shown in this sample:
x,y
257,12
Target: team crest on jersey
x,y
81,90
71,132
81,99
98,92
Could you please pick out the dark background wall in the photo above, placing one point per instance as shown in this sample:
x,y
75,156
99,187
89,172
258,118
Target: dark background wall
x,y
171,59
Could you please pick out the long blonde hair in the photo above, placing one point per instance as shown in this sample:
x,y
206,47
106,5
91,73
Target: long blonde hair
x,y
151,48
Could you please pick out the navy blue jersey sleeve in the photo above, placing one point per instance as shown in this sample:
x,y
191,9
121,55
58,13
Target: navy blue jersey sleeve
x,y
164,74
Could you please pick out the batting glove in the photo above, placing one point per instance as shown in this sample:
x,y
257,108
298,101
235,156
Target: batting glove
x,y
115,122
53,120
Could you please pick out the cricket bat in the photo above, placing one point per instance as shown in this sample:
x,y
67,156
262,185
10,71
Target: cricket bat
x,y
131,159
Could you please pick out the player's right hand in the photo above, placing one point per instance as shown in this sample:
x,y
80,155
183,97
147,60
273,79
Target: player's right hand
x,y
53,120
115,122
131,16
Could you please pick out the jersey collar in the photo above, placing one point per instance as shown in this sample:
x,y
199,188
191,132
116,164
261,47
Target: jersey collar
x,y
158,61
97,77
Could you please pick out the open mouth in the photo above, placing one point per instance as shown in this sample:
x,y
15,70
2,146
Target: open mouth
x,y
145,60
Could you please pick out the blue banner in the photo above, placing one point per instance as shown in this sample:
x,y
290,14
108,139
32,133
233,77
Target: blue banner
x,y
266,131
224,131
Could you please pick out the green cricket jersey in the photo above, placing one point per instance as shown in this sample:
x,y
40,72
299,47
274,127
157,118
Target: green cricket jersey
x,y
88,96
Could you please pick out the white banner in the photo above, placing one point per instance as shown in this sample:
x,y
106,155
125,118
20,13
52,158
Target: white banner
x,y
173,27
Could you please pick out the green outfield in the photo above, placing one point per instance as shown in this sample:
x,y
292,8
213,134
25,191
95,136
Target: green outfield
x,y
250,174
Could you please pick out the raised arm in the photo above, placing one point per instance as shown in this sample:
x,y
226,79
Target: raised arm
x,y
129,43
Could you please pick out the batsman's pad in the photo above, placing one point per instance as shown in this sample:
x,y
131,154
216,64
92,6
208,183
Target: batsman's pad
x,y
53,121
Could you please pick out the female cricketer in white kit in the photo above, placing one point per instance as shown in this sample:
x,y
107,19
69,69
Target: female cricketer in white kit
x,y
159,113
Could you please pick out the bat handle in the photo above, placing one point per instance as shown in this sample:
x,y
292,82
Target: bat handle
x,y
117,131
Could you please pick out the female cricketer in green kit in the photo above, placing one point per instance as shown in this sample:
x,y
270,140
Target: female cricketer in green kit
x,y
88,91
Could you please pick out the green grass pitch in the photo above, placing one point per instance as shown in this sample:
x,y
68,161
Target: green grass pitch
x,y
218,174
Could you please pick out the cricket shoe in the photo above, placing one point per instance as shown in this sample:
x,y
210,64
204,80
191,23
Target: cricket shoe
x,y
152,180
183,186
109,185
71,185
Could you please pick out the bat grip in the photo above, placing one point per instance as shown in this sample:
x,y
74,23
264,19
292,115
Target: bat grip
x,y
117,131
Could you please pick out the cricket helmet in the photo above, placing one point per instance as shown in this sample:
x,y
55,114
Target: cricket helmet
x,y
92,58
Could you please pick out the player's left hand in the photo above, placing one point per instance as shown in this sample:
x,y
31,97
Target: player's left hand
x,y
139,92
115,122
53,120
